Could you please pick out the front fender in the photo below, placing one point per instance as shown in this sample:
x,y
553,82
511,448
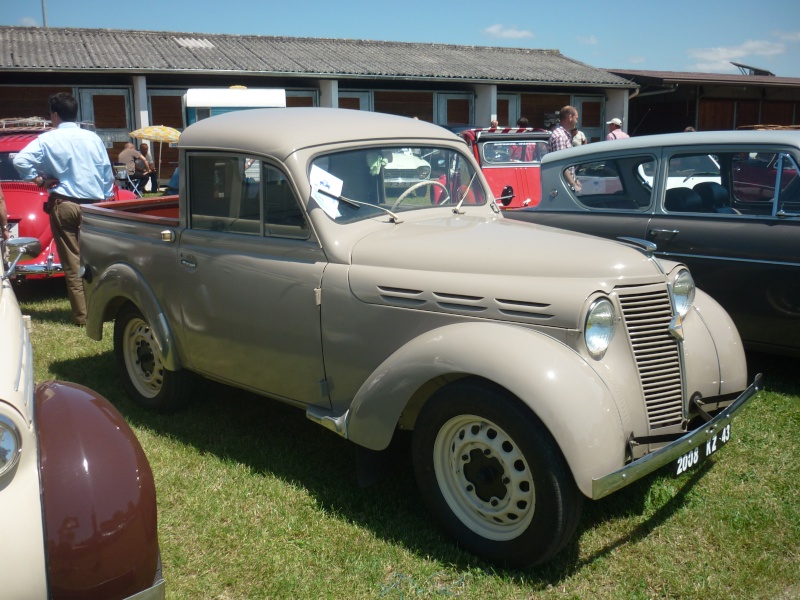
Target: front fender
x,y
727,343
98,495
561,388
121,280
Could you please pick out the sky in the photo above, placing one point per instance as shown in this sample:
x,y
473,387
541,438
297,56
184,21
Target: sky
x,y
676,35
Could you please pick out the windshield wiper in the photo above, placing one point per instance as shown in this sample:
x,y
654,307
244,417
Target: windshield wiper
x,y
457,208
356,204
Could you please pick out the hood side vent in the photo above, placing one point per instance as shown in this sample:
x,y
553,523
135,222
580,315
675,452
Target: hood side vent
x,y
523,309
401,296
460,302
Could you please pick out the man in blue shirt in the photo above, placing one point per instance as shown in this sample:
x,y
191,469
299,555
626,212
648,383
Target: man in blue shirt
x,y
72,163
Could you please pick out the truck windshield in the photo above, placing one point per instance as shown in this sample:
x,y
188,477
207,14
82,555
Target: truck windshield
x,y
364,183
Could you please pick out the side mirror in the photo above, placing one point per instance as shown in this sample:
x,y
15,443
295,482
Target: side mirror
x,y
507,195
18,248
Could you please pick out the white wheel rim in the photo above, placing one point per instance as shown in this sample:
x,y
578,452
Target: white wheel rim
x,y
484,477
141,358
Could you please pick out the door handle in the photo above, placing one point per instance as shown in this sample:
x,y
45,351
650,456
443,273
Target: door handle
x,y
664,233
188,263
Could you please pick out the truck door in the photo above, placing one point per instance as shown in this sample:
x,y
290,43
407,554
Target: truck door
x,y
248,269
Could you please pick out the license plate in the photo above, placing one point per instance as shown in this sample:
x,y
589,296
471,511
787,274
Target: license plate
x,y
695,457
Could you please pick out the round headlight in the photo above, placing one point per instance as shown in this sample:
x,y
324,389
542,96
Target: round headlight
x,y
9,445
423,172
599,328
683,292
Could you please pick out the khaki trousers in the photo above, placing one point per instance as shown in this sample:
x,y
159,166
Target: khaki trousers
x,y
65,223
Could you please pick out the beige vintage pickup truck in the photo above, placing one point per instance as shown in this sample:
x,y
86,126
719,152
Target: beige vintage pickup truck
x,y
535,366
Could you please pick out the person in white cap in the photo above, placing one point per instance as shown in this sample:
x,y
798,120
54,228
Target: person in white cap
x,y
615,130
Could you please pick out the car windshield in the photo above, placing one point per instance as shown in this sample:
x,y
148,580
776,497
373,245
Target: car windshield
x,y
368,182
526,151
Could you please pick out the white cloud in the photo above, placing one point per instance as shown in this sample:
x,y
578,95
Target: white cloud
x,y
507,33
719,58
28,22
588,40
788,36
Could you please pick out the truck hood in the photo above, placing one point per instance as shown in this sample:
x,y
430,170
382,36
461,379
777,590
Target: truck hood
x,y
493,268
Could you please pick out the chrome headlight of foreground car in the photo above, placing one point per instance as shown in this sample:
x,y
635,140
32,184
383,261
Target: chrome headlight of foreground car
x,y
598,330
10,445
683,292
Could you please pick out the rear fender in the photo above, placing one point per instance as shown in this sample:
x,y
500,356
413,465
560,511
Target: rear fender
x,y
121,282
559,386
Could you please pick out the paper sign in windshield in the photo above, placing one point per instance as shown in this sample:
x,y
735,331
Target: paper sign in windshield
x,y
322,180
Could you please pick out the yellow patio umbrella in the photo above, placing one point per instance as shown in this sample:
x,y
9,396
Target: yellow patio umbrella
x,y
157,133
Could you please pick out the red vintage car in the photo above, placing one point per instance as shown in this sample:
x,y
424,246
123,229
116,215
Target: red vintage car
x,y
510,158
24,200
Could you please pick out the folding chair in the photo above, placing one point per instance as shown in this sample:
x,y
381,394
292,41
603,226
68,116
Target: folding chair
x,y
124,180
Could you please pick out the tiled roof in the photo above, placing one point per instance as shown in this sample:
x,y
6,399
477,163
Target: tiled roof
x,y
143,52
662,77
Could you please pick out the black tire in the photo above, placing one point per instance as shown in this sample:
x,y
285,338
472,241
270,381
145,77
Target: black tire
x,y
141,369
493,476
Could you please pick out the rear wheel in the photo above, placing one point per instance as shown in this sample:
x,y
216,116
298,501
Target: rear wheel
x,y
139,362
493,476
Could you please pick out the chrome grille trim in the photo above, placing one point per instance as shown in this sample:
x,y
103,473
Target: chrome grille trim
x,y
647,312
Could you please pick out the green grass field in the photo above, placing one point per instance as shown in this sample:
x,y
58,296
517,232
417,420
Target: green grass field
x,y
255,501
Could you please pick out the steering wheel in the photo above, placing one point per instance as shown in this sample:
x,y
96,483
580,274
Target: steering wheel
x,y
416,186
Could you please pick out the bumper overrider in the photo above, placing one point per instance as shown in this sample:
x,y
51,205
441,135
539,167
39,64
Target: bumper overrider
x,y
156,592
46,268
603,486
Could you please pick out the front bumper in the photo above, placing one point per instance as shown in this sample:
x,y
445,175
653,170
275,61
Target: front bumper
x,y
48,269
603,486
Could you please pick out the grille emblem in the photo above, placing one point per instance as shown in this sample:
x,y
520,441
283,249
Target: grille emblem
x,y
676,328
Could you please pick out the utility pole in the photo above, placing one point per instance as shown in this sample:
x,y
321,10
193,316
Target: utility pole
x,y
44,12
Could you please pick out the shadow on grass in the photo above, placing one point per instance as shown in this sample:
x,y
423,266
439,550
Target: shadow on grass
x,y
43,299
272,438
779,372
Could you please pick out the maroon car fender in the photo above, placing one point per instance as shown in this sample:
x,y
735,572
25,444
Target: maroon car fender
x,y
99,497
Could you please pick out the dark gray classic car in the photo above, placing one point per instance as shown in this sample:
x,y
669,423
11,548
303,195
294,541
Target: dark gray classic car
x,y
727,204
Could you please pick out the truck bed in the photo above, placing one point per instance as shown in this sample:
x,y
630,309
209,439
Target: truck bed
x,y
161,209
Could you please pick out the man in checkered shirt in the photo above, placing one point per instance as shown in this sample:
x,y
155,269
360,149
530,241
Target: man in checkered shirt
x,y
561,139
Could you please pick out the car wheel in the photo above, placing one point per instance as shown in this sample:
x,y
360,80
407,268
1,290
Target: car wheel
x,y
138,359
493,476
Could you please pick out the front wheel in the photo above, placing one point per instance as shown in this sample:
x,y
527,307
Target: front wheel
x,y
493,476
139,363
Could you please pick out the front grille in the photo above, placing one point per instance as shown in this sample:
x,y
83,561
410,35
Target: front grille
x,y
648,313
401,174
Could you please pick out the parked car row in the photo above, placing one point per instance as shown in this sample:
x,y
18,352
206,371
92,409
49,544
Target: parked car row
x,y
357,265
